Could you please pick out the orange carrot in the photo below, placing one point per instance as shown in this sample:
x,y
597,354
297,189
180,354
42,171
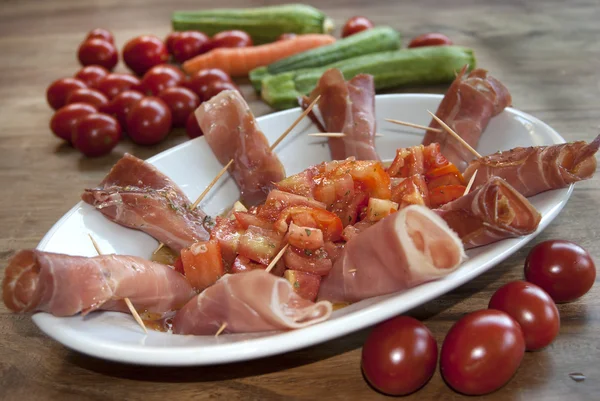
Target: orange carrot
x,y
240,61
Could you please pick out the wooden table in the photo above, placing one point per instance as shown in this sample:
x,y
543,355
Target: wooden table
x,y
547,53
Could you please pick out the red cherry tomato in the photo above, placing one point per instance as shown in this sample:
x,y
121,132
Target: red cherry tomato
x,y
532,308
91,75
178,266
148,121
399,356
217,87
430,39
96,134
144,52
116,83
120,105
287,36
356,25
181,102
89,96
233,38
192,128
59,90
64,119
170,39
101,33
481,352
563,269
98,52
199,82
161,77
189,44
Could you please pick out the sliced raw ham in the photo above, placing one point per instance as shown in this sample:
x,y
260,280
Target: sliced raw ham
x,y
232,133
539,168
493,211
136,195
348,107
64,285
471,101
249,302
406,249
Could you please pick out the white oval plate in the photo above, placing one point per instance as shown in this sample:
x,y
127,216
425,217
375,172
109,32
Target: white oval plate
x,y
115,336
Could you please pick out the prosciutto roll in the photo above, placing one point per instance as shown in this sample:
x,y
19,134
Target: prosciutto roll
x,y
538,168
136,195
232,133
249,302
348,107
64,285
406,249
471,101
492,212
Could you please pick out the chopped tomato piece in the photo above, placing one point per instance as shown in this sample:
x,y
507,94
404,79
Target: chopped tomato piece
x,y
441,195
352,231
278,200
246,220
433,156
300,184
243,264
203,264
332,188
228,233
178,266
329,223
377,209
305,237
315,262
305,284
417,160
411,191
259,244
349,211
446,175
372,176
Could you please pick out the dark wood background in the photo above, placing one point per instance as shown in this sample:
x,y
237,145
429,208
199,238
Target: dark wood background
x,y
546,52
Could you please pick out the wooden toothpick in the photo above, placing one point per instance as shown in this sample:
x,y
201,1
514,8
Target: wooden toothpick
x,y
223,327
351,270
276,258
455,135
407,124
304,114
470,184
212,183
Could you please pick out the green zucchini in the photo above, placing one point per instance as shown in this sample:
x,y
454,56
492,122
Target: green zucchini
x,y
373,40
263,24
418,66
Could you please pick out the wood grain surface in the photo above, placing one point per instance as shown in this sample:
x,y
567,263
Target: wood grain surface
x,y
546,52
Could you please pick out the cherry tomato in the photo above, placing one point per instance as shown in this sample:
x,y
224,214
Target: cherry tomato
x,y
532,308
64,119
356,25
217,87
116,83
189,44
199,82
98,52
399,356
161,77
101,33
89,96
430,39
148,121
120,105
481,352
91,75
144,52
233,38
181,102
192,128
170,39
59,90
563,269
287,36
96,134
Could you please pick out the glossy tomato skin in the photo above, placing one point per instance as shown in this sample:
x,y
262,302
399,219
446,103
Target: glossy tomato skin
x,y
189,44
144,52
192,128
563,269
161,77
355,25
89,96
181,102
482,352
399,356
217,87
532,308
91,75
115,83
98,52
59,90
101,33
233,38
199,81
63,121
120,105
430,39
148,121
96,134
170,39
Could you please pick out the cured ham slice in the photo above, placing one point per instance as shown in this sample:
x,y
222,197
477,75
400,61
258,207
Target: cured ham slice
x,y
249,302
540,168
471,101
65,285
406,249
348,107
232,133
136,195
492,212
